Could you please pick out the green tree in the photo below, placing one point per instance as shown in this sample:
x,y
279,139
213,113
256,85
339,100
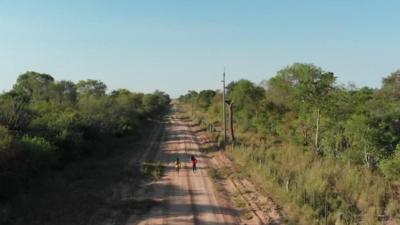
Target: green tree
x,y
14,110
37,86
362,138
308,91
391,85
91,87
204,99
65,92
246,98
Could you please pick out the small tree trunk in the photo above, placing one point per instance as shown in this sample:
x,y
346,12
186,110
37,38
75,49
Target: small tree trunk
x,y
231,122
317,132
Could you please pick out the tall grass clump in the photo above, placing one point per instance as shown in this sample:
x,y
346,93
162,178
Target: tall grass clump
x,y
317,190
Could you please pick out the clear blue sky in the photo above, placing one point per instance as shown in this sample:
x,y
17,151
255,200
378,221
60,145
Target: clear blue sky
x,y
179,45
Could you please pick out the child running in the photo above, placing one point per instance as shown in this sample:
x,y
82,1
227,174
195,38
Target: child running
x,y
177,165
194,163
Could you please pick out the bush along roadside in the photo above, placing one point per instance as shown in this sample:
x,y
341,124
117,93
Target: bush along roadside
x,y
152,170
46,124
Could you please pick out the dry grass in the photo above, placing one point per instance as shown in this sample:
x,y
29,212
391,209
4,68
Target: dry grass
x,y
312,188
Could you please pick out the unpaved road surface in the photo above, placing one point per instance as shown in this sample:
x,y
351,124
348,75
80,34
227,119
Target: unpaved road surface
x,y
186,197
110,189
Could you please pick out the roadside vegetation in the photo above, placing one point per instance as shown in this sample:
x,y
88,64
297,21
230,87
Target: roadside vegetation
x,y
47,124
329,153
152,170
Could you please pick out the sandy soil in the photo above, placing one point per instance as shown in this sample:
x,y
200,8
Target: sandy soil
x,y
261,207
256,207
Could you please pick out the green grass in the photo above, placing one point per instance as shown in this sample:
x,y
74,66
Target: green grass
x,y
152,170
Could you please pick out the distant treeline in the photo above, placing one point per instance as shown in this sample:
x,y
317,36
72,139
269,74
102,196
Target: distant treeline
x,y
45,124
327,145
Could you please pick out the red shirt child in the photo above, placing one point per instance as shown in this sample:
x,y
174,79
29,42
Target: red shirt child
x,y
194,162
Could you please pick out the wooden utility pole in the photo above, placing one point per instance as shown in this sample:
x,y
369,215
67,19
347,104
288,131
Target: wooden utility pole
x,y
224,108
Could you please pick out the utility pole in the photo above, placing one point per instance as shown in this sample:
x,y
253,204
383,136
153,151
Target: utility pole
x,y
223,107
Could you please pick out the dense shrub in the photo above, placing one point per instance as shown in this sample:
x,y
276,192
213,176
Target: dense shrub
x,y
46,124
391,167
36,153
5,139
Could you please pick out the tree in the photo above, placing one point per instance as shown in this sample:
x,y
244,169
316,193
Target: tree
x,y
204,99
362,137
14,111
154,102
246,97
91,87
65,92
37,86
189,97
163,99
391,85
308,91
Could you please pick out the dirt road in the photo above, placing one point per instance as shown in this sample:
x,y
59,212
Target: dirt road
x,y
111,190
186,197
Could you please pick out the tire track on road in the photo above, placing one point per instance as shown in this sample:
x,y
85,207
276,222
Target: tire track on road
x,y
187,198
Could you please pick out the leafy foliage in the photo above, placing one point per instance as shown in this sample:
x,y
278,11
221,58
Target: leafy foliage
x,y
45,124
5,139
332,149
391,167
